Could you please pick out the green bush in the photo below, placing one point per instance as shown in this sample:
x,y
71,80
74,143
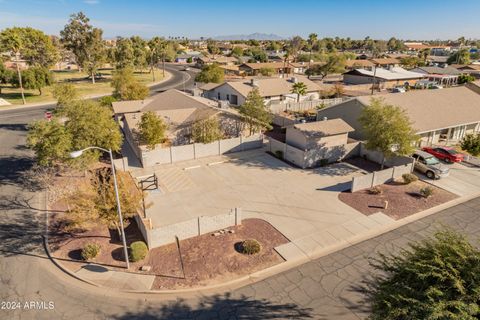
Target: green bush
x,y
471,143
138,251
375,190
90,251
250,246
279,154
409,178
437,278
426,192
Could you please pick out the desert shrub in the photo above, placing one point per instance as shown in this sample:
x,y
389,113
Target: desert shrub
x,y
375,190
138,251
426,192
90,251
471,143
279,154
437,278
250,246
409,178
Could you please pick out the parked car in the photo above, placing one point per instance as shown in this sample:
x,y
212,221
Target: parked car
x,y
446,154
399,90
429,165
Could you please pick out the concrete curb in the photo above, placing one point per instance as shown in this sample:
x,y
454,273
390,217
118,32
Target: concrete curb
x,y
284,266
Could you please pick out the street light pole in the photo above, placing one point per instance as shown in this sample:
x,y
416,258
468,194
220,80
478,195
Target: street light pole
x,y
78,153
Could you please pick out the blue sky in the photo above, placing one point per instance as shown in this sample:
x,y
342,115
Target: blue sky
x,y
406,19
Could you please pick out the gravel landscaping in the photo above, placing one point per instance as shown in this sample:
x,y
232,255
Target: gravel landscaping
x,y
403,199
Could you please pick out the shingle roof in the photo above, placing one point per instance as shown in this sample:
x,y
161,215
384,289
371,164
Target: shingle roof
x,y
358,63
439,70
385,61
272,86
324,128
258,66
435,109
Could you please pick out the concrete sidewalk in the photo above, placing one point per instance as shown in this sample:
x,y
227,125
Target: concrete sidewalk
x,y
115,279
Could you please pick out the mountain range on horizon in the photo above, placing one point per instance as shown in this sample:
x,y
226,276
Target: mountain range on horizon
x,y
252,36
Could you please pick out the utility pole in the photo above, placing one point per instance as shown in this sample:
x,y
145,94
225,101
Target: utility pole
x,y
374,78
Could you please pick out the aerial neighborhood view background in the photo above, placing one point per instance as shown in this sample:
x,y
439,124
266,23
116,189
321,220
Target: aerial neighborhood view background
x,y
164,161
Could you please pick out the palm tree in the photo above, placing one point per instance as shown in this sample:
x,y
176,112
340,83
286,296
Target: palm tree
x,y
299,88
312,38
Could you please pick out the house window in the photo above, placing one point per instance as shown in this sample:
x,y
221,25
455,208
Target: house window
x,y
228,97
218,95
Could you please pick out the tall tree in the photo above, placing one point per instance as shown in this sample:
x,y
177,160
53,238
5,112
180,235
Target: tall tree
x,y
206,131
255,113
139,53
334,64
387,129
37,78
211,73
40,50
85,42
152,129
124,54
91,125
65,93
13,40
6,75
300,89
126,87
50,140
312,39
462,56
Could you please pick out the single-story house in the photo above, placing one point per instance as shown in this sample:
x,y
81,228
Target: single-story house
x,y
382,78
359,64
438,116
179,111
253,69
446,75
271,89
301,67
221,60
386,63
472,69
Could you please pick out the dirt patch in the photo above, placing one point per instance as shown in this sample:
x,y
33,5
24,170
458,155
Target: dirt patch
x,y
364,164
207,259
403,199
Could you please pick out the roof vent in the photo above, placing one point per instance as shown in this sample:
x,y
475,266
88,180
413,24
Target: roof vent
x,y
294,79
254,82
324,119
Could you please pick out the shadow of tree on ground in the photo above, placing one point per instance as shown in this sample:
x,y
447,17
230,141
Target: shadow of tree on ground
x,y
222,307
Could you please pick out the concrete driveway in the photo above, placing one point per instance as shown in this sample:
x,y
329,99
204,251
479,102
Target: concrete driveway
x,y
464,179
302,204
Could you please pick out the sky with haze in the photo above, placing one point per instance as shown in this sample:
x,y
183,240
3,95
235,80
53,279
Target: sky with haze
x,y
406,19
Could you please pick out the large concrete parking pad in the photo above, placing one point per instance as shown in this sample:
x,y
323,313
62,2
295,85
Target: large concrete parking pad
x,y
302,204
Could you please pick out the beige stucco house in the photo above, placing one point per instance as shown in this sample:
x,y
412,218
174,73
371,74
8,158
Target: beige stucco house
x,y
273,90
442,116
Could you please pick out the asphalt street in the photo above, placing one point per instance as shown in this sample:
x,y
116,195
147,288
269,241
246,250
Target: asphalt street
x,y
32,287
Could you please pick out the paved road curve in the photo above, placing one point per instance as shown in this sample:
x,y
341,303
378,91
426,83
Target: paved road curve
x,y
327,288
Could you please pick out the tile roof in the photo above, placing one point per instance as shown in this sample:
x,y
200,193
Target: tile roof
x,y
324,128
260,65
439,70
435,109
